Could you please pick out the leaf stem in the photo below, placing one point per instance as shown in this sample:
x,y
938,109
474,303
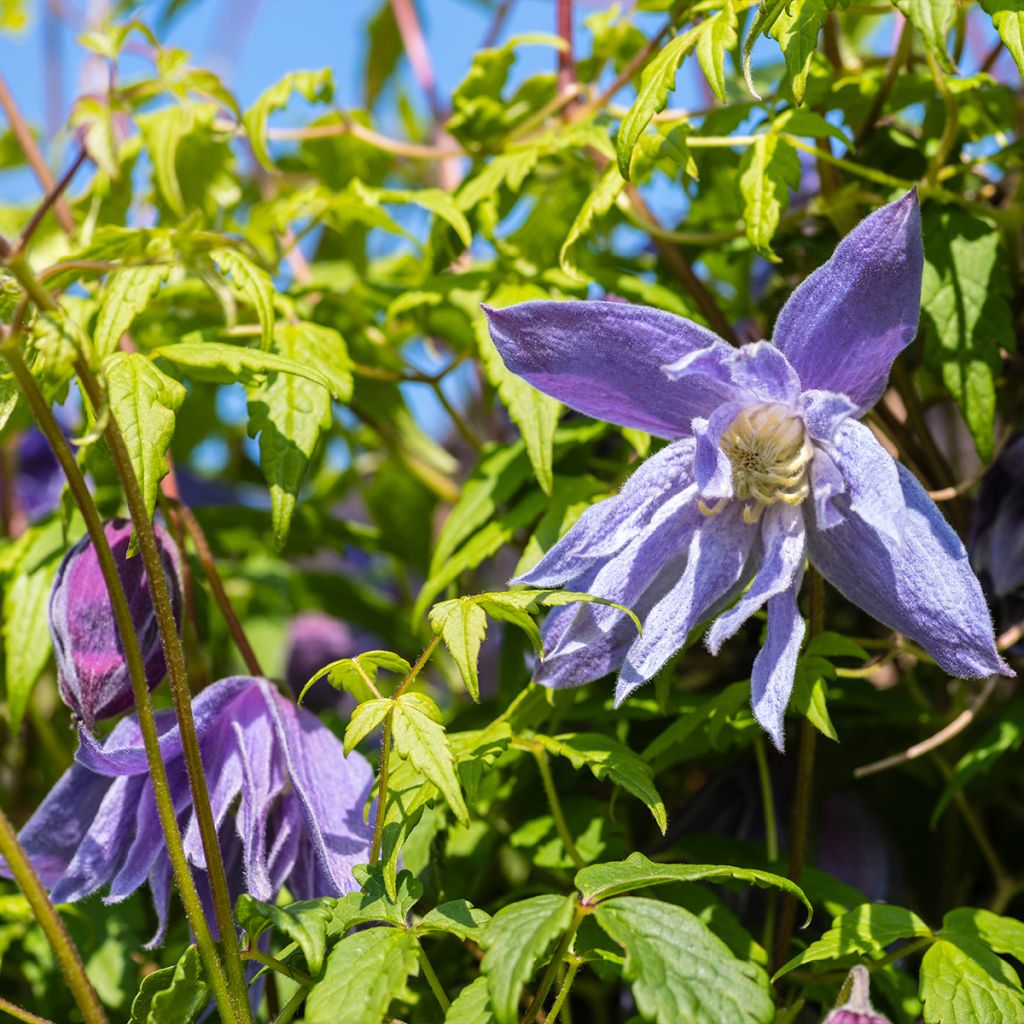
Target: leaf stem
x,y
181,694
561,826
290,1008
563,992
299,977
537,1003
53,928
382,789
434,982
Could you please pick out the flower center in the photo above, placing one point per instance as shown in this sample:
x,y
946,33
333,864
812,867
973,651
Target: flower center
x,y
769,451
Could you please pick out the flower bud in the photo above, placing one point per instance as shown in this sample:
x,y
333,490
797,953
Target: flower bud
x,y
857,1008
315,640
91,667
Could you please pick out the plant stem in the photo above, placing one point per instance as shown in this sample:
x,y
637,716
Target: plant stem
x,y
804,782
563,992
53,928
433,981
537,1003
18,1013
274,964
181,694
418,667
48,425
771,834
561,826
52,196
382,789
291,1007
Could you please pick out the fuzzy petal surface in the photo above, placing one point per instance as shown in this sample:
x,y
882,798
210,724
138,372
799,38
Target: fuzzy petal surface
x,y
771,681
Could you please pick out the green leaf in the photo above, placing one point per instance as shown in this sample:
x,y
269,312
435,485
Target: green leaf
x,y
351,673
598,203
162,131
473,1005
962,982
173,995
367,717
364,972
768,12
127,293
456,917
965,302
463,626
770,168
810,693
607,758
1002,934
796,30
534,413
375,902
933,22
717,37
864,931
657,81
516,939
1008,21
602,881
420,737
143,402
218,363
252,284
313,86
435,200
679,970
304,922
834,645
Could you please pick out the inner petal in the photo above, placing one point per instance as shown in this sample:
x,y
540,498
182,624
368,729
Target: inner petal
x,y
769,451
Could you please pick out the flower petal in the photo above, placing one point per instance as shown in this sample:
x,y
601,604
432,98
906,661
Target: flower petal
x,y
711,466
827,483
715,561
824,412
604,359
924,588
771,681
783,537
872,480
844,326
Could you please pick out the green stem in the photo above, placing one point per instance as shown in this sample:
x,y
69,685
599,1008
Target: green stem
x,y
22,272
771,835
418,667
53,928
277,965
48,425
563,992
291,1007
382,789
433,981
537,1003
181,694
561,826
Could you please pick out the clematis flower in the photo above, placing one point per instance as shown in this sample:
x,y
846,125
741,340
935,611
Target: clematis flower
x,y
91,669
297,804
768,467
315,640
997,536
857,1008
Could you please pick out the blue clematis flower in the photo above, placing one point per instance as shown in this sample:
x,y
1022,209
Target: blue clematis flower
x,y
297,802
768,467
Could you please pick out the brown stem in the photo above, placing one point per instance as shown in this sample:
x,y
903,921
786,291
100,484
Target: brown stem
x,y
415,46
51,197
566,60
892,70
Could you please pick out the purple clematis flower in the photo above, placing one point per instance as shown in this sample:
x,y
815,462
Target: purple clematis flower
x,y
297,801
768,467
857,1008
91,668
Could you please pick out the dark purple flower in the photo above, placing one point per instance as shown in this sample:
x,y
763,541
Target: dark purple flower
x,y
857,1008
315,640
38,480
768,467
91,667
997,534
297,803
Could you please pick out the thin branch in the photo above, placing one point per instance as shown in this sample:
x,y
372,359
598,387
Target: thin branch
x,y
892,70
50,199
21,1014
566,59
415,46
1012,636
497,24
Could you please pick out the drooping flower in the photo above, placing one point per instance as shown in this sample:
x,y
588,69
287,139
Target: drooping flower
x,y
38,480
91,669
315,640
856,1007
768,467
288,803
996,543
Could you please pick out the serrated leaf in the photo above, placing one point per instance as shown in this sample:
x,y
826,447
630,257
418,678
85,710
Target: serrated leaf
x,y
717,37
218,363
933,22
770,168
144,403
603,881
420,737
304,922
463,626
1002,934
607,758
679,970
1008,20
365,719
963,982
864,931
348,673
162,131
250,283
313,86
657,81
456,917
965,295
796,30
435,200
473,1005
126,294
767,14
377,903
516,939
598,203
364,972
173,995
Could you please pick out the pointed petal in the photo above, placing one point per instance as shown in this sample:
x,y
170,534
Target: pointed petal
x,y
754,372
872,480
604,359
924,588
824,412
783,537
715,560
607,527
771,681
827,484
844,326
